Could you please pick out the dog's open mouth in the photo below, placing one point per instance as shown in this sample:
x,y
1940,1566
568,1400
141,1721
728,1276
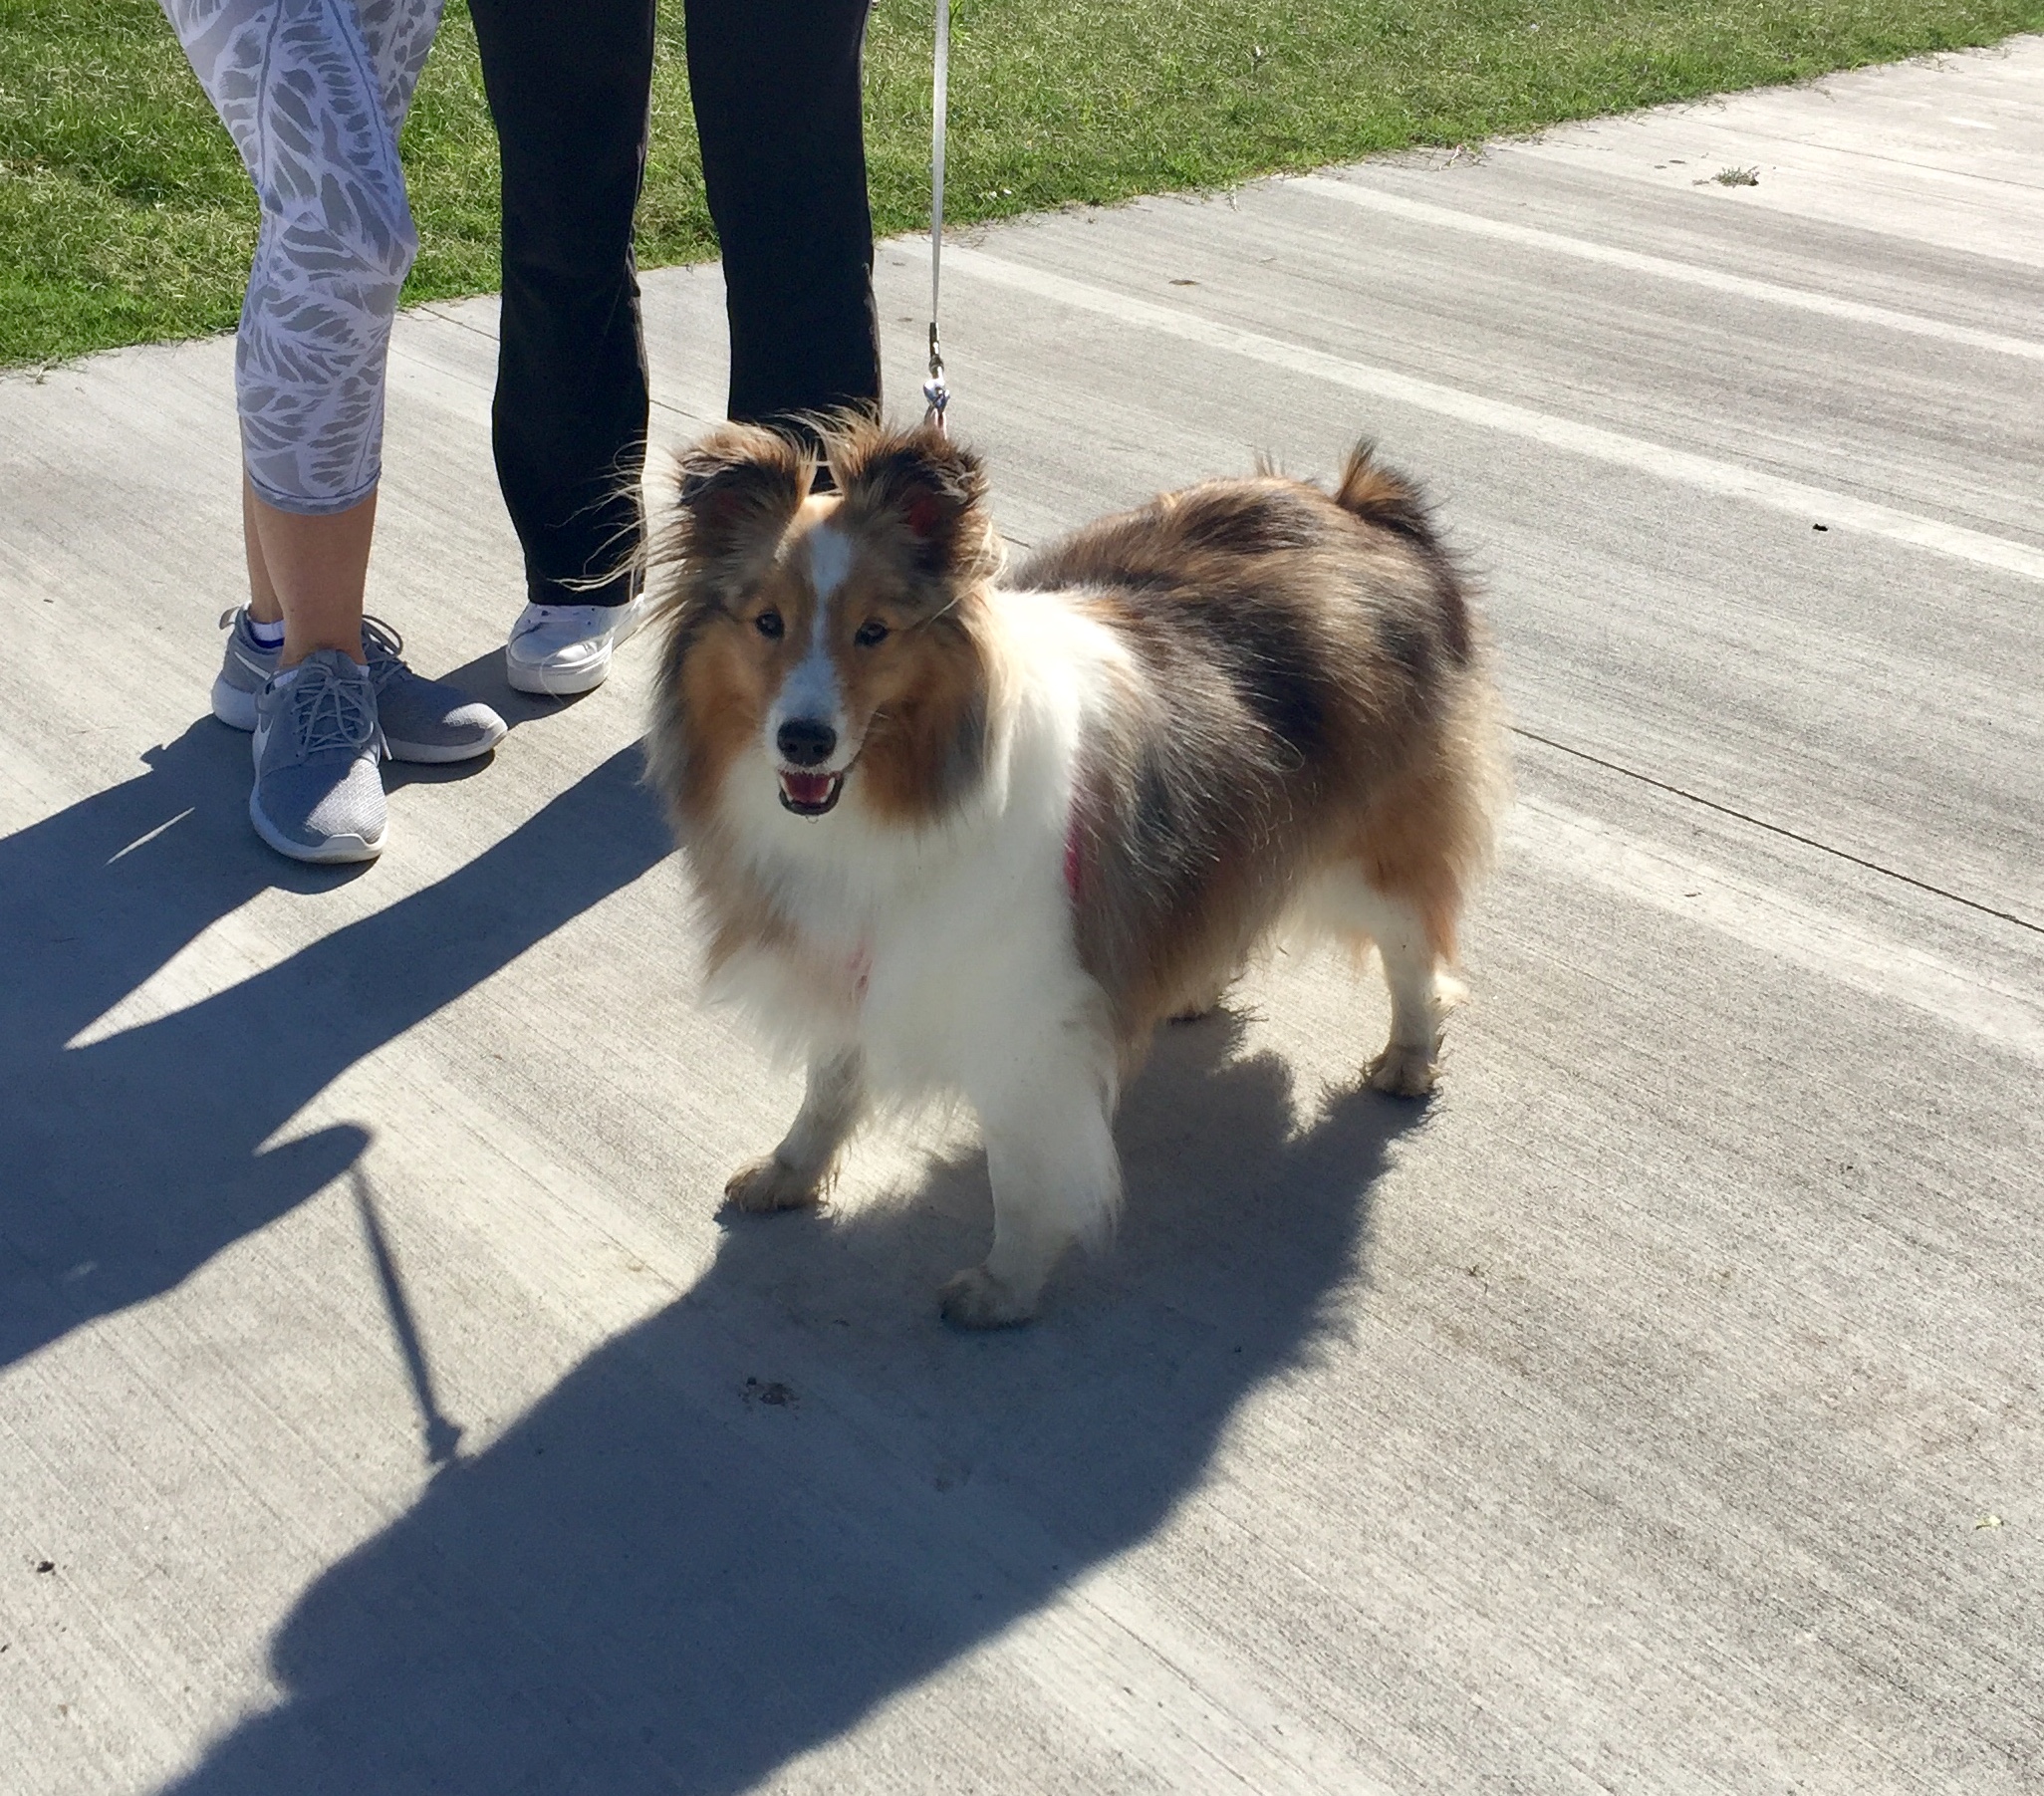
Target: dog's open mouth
x,y
810,794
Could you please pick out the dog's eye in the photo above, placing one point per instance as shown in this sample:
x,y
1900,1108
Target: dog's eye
x,y
768,624
871,633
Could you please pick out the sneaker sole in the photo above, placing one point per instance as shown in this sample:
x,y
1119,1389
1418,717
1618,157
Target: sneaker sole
x,y
232,705
548,683
335,851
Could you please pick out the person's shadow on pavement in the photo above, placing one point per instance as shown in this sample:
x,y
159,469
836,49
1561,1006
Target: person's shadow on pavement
x,y
136,1157
792,1495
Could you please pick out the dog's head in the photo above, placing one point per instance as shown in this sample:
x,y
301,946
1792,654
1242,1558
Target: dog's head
x,y
825,645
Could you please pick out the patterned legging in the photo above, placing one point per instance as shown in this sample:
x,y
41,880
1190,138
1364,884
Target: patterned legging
x,y
314,93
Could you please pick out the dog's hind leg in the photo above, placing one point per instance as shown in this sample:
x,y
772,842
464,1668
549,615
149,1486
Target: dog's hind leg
x,y
797,1172
1412,947
1050,1155
1420,995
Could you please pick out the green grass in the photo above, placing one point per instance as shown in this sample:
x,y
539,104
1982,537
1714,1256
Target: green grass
x,y
125,216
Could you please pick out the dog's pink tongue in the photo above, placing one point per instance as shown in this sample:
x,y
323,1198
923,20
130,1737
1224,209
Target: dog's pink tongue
x,y
807,788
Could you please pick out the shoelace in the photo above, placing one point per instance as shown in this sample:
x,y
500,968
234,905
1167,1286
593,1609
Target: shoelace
x,y
384,648
331,712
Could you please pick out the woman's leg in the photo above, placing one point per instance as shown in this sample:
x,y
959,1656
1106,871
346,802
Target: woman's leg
x,y
321,561
320,558
569,84
311,563
776,89
312,92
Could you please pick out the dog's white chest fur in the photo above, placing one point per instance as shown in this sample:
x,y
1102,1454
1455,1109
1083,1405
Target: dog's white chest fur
x,y
938,953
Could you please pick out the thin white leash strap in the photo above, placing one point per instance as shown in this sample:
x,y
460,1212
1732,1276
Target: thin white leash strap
x,y
936,395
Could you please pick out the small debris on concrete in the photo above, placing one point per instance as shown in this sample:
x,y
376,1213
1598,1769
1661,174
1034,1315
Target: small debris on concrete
x,y
46,1565
1820,526
1988,1521
1732,178
773,1393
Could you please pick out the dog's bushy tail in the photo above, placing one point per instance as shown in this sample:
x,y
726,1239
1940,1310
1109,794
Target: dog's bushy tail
x,y
1372,493
1467,788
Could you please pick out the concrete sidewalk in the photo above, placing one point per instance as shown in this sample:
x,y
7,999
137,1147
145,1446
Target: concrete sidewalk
x,y
384,1407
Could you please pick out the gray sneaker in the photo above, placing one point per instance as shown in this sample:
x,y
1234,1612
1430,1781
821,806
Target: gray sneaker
x,y
423,719
244,670
318,795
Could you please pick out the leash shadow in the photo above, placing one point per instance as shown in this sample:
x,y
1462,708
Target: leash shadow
x,y
791,1494
140,1154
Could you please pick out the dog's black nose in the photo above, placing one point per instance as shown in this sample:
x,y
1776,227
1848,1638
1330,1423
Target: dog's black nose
x,y
803,742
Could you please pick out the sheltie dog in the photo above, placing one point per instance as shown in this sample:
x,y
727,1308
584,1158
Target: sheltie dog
x,y
966,832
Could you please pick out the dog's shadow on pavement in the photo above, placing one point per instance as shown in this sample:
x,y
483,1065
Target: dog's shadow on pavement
x,y
792,1495
136,1155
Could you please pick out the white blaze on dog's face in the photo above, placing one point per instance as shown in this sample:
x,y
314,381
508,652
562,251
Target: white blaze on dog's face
x,y
809,733
832,635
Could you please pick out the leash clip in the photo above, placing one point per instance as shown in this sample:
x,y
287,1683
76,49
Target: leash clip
x,y
937,395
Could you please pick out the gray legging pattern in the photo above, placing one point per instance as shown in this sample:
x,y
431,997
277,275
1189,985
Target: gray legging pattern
x,y
314,93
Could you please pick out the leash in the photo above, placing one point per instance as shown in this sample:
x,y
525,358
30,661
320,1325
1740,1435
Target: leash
x,y
936,395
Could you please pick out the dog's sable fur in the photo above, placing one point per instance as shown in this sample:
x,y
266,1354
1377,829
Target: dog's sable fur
x,y
1075,799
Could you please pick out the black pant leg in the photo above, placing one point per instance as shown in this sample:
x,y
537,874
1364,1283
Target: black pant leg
x,y
778,107
569,84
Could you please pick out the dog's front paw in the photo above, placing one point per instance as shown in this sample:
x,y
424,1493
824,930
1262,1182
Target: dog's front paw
x,y
773,1184
975,1298
1403,1072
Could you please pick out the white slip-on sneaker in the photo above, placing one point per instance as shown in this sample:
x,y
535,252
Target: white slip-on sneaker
x,y
563,650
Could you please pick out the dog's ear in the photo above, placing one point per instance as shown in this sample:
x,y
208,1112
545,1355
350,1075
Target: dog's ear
x,y
920,487
735,492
